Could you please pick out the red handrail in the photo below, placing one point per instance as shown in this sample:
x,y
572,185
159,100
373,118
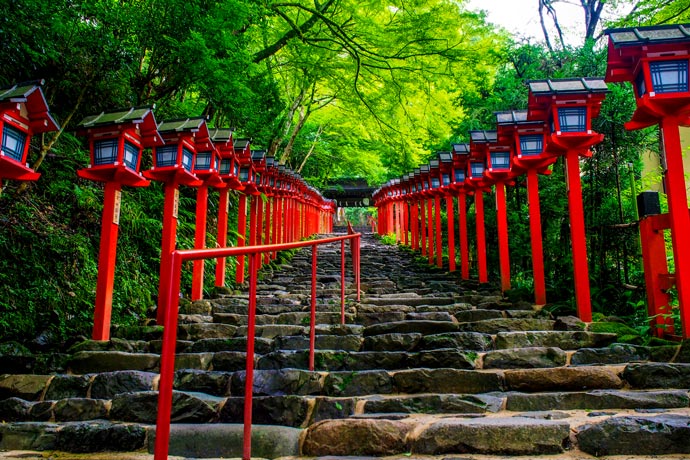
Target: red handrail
x,y
167,365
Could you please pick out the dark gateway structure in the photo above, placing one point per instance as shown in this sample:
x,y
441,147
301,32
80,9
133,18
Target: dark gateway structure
x,y
349,193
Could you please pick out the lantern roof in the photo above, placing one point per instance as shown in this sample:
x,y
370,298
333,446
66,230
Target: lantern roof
x,y
221,135
424,169
270,162
511,117
461,149
445,157
636,36
481,137
142,117
31,95
184,125
258,155
567,86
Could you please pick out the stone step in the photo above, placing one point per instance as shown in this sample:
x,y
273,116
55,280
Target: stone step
x,y
494,326
289,318
565,340
412,301
598,400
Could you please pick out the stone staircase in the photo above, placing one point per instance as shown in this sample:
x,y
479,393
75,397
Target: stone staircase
x,y
425,365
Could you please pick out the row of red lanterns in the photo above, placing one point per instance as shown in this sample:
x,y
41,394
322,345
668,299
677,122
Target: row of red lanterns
x,y
656,60
186,152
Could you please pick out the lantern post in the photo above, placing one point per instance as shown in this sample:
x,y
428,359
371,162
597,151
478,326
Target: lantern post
x,y
435,193
569,105
116,140
242,149
530,159
479,148
173,165
228,170
461,156
206,168
446,168
656,60
24,113
499,172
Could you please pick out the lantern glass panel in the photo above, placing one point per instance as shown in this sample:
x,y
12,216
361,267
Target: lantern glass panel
x,y
446,179
131,156
435,182
244,174
166,156
477,169
572,119
203,161
105,152
531,144
257,178
669,76
225,165
459,176
13,142
187,158
500,160
235,169
272,182
426,185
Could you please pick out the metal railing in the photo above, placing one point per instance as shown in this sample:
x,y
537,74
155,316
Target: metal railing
x,y
167,365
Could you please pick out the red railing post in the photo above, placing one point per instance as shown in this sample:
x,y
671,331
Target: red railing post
x,y
312,314
222,237
430,226
464,243
168,243
535,236
422,230
342,281
357,271
481,236
241,233
439,231
167,360
199,241
254,261
502,224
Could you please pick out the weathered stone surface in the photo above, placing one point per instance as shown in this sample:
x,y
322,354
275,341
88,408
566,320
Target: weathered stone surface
x,y
205,331
326,408
181,346
143,406
597,400
569,323
410,299
370,319
41,411
198,307
368,308
463,340
15,358
100,436
201,361
430,316
565,340
525,358
434,404
337,329
28,436
322,342
494,326
114,344
392,342
67,386
14,410
657,375
280,382
287,410
225,441
261,345
356,437
508,436
406,327
351,383
445,357
231,361
211,382
86,362
638,435
477,315
145,333
447,381
615,354
271,331
78,409
24,386
108,384
562,379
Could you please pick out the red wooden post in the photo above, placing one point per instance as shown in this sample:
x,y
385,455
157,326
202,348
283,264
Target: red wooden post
x,y
451,232
464,243
222,236
656,273
170,206
536,237
406,223
199,241
430,226
342,281
422,207
241,235
577,237
312,311
254,261
502,224
481,236
414,222
253,216
106,260
439,231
